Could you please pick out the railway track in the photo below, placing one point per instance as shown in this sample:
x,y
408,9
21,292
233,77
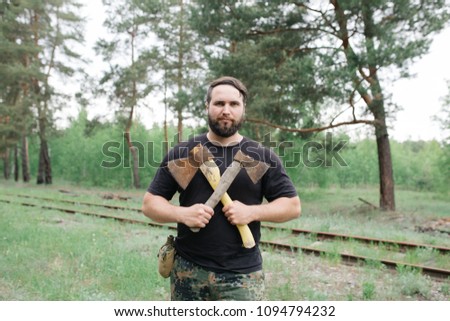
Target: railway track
x,y
319,235
350,258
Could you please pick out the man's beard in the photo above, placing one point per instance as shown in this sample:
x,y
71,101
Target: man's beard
x,y
224,131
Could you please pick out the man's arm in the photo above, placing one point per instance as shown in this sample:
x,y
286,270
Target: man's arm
x,y
279,210
161,210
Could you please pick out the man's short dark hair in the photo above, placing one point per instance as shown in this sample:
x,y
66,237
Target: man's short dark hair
x,y
236,83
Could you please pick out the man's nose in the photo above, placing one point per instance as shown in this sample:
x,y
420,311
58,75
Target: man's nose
x,y
226,109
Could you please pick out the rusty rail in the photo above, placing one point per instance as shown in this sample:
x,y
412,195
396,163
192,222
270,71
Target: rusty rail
x,y
320,235
431,271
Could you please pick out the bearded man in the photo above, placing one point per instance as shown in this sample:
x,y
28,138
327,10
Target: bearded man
x,y
212,264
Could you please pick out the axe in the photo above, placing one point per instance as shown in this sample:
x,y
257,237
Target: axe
x,y
199,157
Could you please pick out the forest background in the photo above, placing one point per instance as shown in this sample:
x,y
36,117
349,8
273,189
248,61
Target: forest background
x,y
313,69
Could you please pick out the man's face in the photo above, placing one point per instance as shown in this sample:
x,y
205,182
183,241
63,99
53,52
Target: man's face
x,y
225,111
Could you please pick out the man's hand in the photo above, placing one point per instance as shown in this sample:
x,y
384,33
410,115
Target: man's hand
x,y
280,210
197,215
238,213
162,211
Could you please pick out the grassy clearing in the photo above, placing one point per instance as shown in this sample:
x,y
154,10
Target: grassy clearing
x,y
339,210
49,255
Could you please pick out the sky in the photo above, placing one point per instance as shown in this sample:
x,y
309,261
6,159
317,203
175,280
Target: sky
x,y
419,97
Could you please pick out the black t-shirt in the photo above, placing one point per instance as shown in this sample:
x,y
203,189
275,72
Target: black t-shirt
x,y
218,246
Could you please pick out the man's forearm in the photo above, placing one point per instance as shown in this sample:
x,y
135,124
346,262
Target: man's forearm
x,y
159,209
280,210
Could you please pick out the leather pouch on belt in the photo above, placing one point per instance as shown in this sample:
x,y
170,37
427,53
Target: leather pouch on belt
x,y
166,256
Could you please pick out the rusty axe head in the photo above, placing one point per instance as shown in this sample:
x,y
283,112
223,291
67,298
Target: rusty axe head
x,y
255,169
184,169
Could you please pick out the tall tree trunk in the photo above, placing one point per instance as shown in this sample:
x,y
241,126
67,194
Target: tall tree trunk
x,y
135,160
387,196
6,165
133,149
44,175
180,71
136,179
372,96
24,145
180,126
45,169
386,175
25,159
376,106
166,107
16,163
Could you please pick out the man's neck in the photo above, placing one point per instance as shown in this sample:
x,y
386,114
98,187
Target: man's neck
x,y
224,141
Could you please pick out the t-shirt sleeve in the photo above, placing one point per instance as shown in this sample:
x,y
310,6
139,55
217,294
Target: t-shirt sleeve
x,y
276,182
163,184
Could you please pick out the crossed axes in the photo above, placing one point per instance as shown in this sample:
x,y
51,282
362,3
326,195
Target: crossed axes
x,y
184,169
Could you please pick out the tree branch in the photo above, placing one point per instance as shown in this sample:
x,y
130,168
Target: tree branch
x,y
256,32
310,130
351,105
324,16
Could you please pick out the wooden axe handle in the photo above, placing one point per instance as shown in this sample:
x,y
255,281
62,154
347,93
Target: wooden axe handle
x,y
212,174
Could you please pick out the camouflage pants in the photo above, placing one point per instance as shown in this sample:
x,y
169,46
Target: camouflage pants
x,y
190,282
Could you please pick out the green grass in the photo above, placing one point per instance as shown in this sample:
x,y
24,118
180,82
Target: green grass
x,y
339,210
50,255
47,255
368,290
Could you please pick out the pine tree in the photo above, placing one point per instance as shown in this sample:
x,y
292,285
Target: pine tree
x,y
39,35
296,56
127,81
180,59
